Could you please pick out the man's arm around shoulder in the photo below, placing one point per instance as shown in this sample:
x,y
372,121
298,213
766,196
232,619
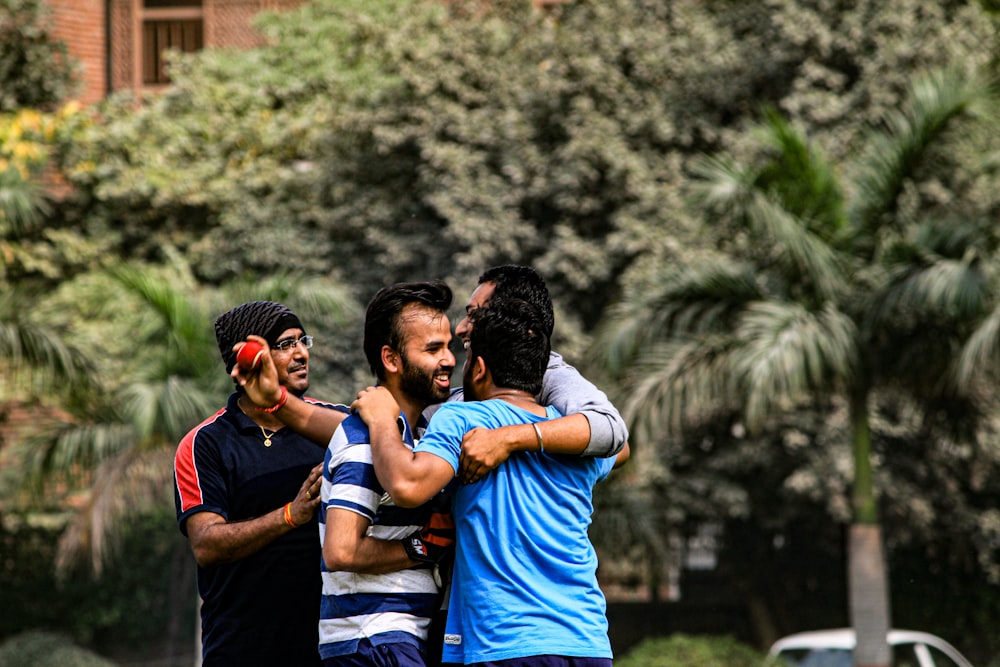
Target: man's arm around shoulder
x,y
410,478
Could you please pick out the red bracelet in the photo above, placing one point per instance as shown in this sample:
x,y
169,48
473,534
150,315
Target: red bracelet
x,y
277,406
288,516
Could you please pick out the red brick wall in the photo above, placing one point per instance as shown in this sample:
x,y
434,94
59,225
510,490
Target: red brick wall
x,y
122,47
81,25
229,23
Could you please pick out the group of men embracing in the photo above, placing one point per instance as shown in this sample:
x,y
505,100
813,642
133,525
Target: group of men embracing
x,y
451,523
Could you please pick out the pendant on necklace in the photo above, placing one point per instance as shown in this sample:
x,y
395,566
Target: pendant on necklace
x,y
267,436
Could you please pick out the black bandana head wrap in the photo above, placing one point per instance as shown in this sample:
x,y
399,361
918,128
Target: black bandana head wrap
x,y
266,319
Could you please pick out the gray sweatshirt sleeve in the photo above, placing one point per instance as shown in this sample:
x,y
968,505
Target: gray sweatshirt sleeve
x,y
569,392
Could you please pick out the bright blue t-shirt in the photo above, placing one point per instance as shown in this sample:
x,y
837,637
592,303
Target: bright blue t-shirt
x,y
525,579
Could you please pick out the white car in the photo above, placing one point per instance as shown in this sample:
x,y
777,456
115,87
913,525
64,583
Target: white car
x,y
832,648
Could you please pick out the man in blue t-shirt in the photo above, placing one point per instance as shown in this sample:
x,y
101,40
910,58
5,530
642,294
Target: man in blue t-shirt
x,y
524,588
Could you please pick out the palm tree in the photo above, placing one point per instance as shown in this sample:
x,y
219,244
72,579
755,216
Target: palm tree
x,y
820,285
35,358
172,380
169,378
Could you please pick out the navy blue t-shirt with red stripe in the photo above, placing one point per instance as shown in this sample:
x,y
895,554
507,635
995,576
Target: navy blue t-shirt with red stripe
x,y
264,609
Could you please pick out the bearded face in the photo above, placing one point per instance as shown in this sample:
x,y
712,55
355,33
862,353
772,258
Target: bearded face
x,y
425,382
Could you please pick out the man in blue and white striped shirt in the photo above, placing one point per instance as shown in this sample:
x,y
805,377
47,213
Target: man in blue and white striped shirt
x,y
379,588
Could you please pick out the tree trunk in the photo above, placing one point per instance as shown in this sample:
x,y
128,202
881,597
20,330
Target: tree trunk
x,y
869,596
867,577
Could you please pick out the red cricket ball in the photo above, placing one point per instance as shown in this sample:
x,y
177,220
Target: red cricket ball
x,y
248,358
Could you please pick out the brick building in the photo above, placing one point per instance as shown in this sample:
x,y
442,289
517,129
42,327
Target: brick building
x,y
119,43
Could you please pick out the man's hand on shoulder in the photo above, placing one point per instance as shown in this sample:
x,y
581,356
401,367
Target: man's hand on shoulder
x,y
376,405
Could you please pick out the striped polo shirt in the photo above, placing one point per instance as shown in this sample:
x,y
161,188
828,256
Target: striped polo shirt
x,y
384,608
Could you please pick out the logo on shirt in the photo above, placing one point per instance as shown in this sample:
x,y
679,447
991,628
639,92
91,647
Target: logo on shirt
x,y
453,640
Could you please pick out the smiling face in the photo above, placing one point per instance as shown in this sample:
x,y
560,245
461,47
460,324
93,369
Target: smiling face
x,y
426,360
292,364
480,299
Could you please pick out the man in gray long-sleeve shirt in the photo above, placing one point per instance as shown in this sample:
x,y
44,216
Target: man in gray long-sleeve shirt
x,y
591,427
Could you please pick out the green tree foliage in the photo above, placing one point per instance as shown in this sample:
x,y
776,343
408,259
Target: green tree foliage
x,y
35,69
462,152
34,357
221,161
826,288
34,72
40,649
26,138
125,613
439,142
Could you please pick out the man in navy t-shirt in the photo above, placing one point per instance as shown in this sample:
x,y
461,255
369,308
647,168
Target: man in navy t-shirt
x,y
246,491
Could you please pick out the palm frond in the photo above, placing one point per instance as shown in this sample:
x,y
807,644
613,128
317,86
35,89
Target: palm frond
x,y
732,190
679,383
38,352
125,486
943,290
69,449
310,298
22,202
787,352
723,185
803,251
981,352
801,176
687,301
892,153
165,409
955,238
182,326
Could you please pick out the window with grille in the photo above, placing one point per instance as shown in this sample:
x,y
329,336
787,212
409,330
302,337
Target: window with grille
x,y
168,24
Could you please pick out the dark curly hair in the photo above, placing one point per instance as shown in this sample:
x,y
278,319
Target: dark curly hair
x,y
510,336
513,281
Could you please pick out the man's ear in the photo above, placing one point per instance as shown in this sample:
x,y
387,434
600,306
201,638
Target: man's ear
x,y
391,361
479,370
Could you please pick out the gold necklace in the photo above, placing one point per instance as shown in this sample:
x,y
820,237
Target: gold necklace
x,y
263,432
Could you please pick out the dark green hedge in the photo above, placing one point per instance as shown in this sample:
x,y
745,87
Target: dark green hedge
x,y
128,609
692,651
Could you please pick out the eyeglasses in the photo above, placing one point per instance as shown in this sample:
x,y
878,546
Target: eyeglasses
x,y
290,343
